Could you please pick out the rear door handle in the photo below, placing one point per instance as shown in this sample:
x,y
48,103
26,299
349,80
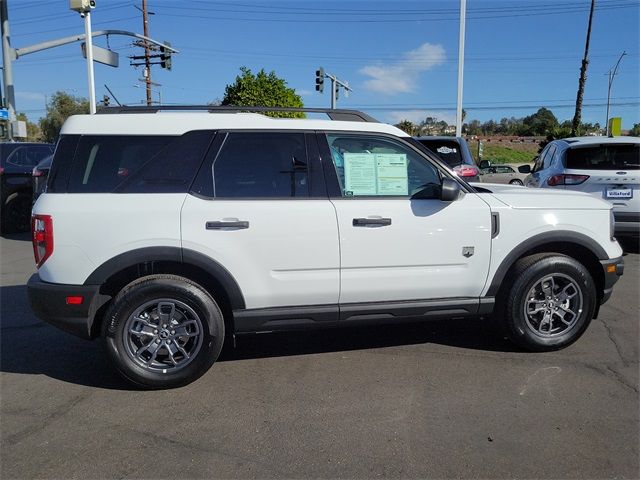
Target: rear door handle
x,y
230,225
371,222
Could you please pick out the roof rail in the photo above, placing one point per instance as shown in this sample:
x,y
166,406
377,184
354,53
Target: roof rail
x,y
333,114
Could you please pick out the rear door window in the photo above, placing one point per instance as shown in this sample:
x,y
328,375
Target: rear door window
x,y
604,157
262,165
133,164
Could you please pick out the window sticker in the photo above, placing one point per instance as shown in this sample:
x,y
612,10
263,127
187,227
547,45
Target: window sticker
x,y
392,174
375,174
359,174
446,150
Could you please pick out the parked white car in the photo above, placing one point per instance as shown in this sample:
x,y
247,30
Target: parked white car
x,y
497,173
162,231
605,167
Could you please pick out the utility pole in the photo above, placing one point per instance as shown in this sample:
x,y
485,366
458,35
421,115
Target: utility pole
x,y
7,71
463,15
147,59
583,76
164,56
612,74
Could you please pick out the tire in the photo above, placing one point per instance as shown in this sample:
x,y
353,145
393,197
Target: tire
x,y
536,322
153,354
16,213
516,182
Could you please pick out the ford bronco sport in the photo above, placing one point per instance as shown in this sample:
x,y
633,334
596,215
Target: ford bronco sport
x,y
164,229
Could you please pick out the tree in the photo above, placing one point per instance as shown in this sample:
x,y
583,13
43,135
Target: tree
x,y
262,90
33,131
61,107
408,127
635,131
543,122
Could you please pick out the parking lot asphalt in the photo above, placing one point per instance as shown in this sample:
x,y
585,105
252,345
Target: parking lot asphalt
x,y
442,399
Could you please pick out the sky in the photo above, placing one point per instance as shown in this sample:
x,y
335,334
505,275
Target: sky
x,y
399,57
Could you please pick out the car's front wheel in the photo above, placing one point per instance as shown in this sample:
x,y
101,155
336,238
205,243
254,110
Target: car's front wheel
x,y
516,182
163,331
549,303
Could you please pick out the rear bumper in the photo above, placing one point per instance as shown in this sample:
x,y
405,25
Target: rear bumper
x,y
49,302
613,270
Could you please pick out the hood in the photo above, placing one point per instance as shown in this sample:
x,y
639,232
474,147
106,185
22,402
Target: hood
x,y
541,198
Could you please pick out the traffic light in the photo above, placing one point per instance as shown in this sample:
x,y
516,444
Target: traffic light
x,y
105,100
165,56
320,80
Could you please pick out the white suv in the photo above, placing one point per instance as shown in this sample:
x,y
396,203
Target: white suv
x,y
164,230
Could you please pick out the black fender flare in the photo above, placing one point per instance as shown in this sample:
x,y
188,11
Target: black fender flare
x,y
172,254
561,236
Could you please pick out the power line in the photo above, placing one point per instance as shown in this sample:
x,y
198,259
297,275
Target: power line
x,y
106,22
452,17
290,10
491,107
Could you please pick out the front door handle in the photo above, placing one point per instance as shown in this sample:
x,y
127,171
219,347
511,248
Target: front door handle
x,y
229,225
371,222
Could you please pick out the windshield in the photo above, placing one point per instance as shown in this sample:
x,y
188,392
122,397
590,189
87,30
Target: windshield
x,y
604,157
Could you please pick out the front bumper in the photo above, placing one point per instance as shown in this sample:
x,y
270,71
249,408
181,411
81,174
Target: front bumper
x,y
613,270
49,302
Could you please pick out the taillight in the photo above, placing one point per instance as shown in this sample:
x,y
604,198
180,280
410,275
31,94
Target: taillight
x,y
42,237
1,170
36,173
566,179
466,171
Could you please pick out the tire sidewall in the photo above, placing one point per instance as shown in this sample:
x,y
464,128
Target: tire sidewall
x,y
212,326
519,330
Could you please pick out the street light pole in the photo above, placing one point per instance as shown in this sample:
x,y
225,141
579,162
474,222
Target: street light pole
x,y
89,49
7,71
611,77
463,14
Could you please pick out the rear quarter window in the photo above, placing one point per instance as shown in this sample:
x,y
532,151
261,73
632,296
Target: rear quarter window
x,y
604,157
128,163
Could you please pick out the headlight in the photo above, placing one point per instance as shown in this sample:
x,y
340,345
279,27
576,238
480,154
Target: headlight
x,y
612,224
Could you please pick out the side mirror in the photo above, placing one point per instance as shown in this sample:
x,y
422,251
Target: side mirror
x,y
485,164
524,168
450,190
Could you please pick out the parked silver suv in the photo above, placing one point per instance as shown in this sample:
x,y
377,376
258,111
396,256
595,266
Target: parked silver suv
x,y
608,168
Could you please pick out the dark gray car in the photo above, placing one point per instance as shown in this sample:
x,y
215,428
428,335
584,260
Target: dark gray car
x,y
455,152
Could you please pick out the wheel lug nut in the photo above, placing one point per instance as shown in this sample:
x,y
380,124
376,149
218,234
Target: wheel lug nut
x,y
173,332
158,341
164,326
155,331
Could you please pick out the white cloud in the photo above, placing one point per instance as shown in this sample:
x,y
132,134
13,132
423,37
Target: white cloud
x,y
304,93
418,116
34,96
402,76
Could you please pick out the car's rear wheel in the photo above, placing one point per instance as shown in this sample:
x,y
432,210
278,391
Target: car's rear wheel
x,y
163,331
516,182
549,303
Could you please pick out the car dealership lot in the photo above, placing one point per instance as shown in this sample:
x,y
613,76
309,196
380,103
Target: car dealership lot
x,y
442,399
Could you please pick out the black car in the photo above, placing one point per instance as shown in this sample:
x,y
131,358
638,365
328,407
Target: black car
x,y
39,175
16,191
455,152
